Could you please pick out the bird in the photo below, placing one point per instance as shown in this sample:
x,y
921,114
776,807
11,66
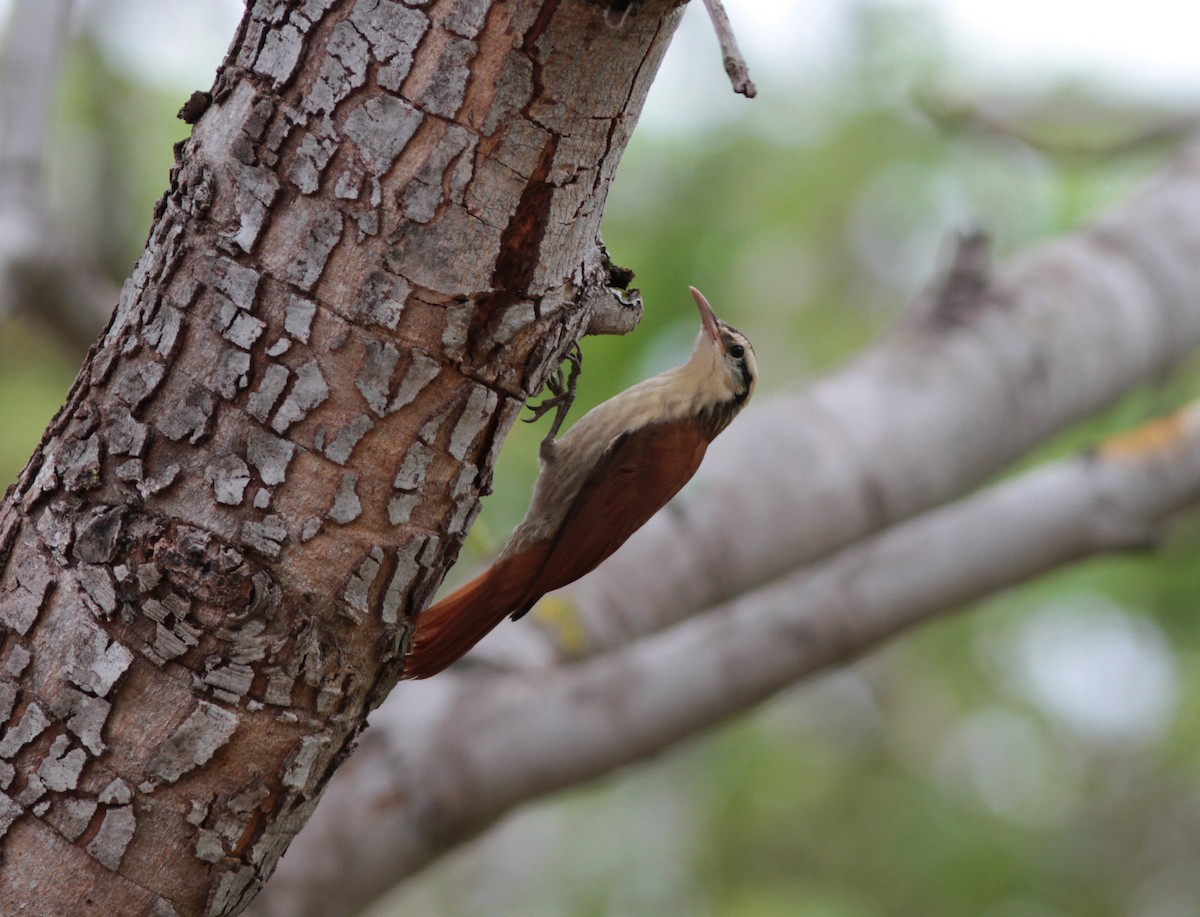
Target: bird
x,y
610,472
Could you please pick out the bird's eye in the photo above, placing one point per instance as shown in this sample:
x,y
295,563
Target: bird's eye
x,y
737,351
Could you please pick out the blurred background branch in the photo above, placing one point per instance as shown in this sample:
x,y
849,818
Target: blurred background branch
x,y
43,273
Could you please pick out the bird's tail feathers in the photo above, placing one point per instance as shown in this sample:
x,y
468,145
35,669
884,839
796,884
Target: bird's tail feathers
x,y
448,629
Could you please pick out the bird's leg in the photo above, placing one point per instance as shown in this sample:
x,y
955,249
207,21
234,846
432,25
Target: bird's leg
x,y
562,394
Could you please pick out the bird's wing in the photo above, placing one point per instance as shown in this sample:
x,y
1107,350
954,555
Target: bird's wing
x,y
634,478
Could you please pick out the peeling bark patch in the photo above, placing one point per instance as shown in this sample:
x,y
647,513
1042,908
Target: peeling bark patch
x,y
313,155
79,463
86,716
443,95
265,537
244,330
428,433
270,387
9,812
239,283
380,128
19,610
298,771
130,472
349,183
229,682
116,793
97,584
72,816
340,449
237,886
7,773
60,769
297,318
123,434
344,69
309,391
270,455
206,729
162,332
382,300
468,17
228,824
15,662
168,644
466,505
256,190
189,417
56,529
232,373
411,473
393,32
280,54
159,482
514,89
401,506
135,382
94,664
46,479
424,193
480,407
375,377
346,505
173,635
31,725
355,594
279,689
208,846
34,790
97,537
229,476
308,265
116,831
422,370
403,578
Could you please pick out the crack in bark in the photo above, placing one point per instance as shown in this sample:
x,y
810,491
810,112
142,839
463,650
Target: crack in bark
x,y
520,244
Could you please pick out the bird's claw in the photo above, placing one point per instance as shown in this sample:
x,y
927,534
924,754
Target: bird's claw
x,y
561,386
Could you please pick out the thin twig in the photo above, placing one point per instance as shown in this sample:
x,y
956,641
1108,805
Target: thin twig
x,y
735,64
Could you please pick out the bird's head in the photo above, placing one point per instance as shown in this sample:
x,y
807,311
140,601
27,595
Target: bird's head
x,y
725,355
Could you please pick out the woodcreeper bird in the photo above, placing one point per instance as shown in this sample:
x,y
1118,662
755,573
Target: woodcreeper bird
x,y
614,469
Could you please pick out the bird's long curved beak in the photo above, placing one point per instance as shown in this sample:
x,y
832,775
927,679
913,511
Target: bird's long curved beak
x,y
707,316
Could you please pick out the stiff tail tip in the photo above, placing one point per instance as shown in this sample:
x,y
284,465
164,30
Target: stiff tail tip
x,y
448,629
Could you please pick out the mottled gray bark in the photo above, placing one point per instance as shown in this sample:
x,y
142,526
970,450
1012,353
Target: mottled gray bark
x,y
381,234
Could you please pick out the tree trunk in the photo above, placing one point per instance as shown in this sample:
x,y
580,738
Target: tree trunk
x,y
381,235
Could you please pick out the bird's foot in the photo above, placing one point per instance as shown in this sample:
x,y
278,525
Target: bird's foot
x,y
561,386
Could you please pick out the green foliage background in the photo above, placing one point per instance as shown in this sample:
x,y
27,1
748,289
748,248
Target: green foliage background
x,y
1034,757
